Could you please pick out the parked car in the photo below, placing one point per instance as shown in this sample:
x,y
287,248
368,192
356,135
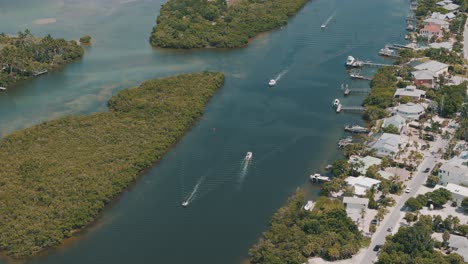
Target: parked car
x,y
373,222
427,170
389,229
407,190
377,248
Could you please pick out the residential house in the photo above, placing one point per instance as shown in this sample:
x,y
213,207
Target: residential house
x,y
367,161
440,22
451,7
410,111
437,68
447,17
355,206
410,91
387,144
457,244
455,171
395,120
424,78
431,30
458,192
362,184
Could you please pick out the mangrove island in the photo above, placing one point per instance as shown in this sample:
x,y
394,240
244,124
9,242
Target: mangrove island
x,y
57,176
185,24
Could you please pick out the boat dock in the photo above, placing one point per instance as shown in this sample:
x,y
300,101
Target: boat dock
x,y
398,46
345,141
360,77
317,178
349,91
351,109
356,129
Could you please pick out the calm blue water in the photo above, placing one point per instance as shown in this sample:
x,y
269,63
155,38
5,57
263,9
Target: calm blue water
x,y
290,128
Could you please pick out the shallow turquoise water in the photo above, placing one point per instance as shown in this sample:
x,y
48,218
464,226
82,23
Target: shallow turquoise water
x,y
290,128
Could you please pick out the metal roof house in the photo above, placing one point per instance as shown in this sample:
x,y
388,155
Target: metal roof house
x,y
410,111
410,91
387,144
395,120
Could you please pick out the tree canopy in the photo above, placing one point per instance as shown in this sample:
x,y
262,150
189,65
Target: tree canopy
x,y
58,175
296,234
218,23
24,55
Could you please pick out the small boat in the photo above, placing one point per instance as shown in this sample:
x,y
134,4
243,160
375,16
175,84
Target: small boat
x,y
2,89
323,26
353,62
272,82
248,156
184,204
309,205
336,102
356,129
37,73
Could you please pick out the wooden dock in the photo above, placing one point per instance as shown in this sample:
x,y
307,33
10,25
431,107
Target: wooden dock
x,y
349,91
351,109
360,77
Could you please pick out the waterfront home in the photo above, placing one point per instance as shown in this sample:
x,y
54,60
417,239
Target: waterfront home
x,y
444,2
440,22
458,192
437,68
442,45
395,120
451,7
410,111
431,30
410,91
366,162
423,78
387,144
355,207
438,15
361,184
455,171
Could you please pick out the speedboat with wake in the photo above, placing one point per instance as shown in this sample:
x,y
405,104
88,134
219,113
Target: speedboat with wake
x,y
323,26
248,156
272,82
184,204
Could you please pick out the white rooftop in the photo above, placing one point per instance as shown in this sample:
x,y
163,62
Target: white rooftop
x,y
355,200
433,66
395,120
437,21
410,91
385,174
439,45
459,243
438,15
410,108
362,182
388,141
367,160
423,75
458,189
451,7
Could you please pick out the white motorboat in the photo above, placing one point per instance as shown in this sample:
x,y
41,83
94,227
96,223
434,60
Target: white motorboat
x,y
184,204
336,103
309,205
323,26
248,156
272,82
2,89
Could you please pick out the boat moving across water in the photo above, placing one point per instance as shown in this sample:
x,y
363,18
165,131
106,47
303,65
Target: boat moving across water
x,y
272,82
248,156
184,204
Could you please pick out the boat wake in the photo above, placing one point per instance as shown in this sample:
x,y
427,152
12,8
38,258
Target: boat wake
x,y
325,24
244,170
193,193
281,75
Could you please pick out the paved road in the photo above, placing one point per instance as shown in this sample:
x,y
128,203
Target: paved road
x,y
391,220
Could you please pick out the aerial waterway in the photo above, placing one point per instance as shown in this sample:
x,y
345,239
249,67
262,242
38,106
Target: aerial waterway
x,y
291,132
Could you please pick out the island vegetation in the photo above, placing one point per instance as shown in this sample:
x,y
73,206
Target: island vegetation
x,y
296,234
85,40
218,23
24,56
57,176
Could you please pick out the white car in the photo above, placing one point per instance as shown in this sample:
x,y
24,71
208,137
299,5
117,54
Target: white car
x,y
408,190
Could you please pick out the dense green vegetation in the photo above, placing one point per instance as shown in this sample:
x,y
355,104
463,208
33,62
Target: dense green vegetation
x,y
438,198
85,40
449,99
214,23
57,176
23,55
296,234
414,244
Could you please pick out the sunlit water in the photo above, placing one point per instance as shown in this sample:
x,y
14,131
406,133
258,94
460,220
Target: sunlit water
x,y
290,128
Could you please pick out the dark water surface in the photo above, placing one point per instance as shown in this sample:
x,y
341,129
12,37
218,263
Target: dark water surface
x,y
290,128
